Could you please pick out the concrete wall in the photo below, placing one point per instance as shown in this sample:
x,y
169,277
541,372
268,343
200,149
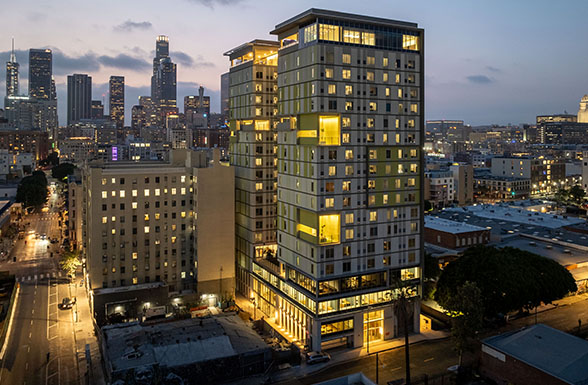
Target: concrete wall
x,y
215,227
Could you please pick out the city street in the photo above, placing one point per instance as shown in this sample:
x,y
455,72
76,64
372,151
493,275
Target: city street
x,y
41,347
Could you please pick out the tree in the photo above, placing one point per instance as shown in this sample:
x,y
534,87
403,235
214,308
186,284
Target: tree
x,y
577,194
428,205
467,316
401,307
32,190
69,262
52,159
561,196
431,274
61,171
509,279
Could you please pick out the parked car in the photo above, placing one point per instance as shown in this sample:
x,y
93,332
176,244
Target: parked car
x,y
317,357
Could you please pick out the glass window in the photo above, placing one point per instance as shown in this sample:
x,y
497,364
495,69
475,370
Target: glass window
x,y
346,74
332,89
329,131
410,42
348,89
329,32
328,73
330,228
346,58
310,33
351,36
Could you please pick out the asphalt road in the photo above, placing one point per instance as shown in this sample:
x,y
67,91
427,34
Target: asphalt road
x,y
39,327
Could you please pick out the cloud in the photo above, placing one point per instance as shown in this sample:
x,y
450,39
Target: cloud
x,y
129,26
211,3
493,69
186,60
123,61
64,64
479,79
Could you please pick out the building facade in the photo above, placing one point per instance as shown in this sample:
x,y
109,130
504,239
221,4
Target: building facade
x,y
12,67
148,222
41,84
349,179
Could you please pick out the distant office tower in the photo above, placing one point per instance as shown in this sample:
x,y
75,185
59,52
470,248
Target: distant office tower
x,y
12,74
97,109
252,143
117,100
79,97
138,120
41,84
583,110
150,110
224,95
163,81
197,110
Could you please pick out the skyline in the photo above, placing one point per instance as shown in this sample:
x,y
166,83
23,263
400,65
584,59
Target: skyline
x,y
495,71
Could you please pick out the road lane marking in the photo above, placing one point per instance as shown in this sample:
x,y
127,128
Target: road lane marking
x,y
429,359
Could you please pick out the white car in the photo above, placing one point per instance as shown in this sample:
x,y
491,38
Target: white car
x,y
317,357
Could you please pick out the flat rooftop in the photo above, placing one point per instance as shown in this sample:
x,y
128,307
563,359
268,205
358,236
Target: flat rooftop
x,y
518,215
449,226
179,343
550,350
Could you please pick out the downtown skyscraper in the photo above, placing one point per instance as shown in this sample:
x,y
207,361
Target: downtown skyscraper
x,y
41,83
12,67
79,98
163,80
116,103
348,128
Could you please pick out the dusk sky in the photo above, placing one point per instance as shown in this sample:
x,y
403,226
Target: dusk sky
x,y
486,61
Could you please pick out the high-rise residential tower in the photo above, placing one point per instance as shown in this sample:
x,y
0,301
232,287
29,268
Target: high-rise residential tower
x,y
116,87
79,97
349,177
253,100
12,74
41,84
224,95
97,109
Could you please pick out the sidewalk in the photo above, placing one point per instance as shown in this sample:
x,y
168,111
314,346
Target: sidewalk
x,y
84,335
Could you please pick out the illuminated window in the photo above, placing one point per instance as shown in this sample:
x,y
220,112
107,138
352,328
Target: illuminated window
x,y
134,205
411,182
348,154
345,138
258,161
387,91
385,62
183,214
373,169
134,193
370,76
414,108
329,32
349,218
413,167
330,228
346,58
306,229
173,239
349,234
121,193
397,78
351,36
368,38
262,125
329,131
346,74
259,186
113,218
103,181
134,255
183,191
373,216
371,60
373,106
310,33
400,169
346,122
410,42
113,180
104,219
135,280
157,192
385,76
332,170
146,230
371,184
104,194
346,185
329,203
183,178
348,106
411,123
258,87
146,192
332,89
157,215
371,122
113,193
258,112
385,199
348,90
373,154
348,170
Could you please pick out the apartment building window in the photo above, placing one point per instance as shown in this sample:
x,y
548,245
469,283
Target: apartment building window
x,y
345,138
332,170
346,267
104,194
370,76
346,185
349,154
373,216
103,181
329,203
329,73
332,89
349,218
348,233
348,170
346,58
385,62
385,77
348,106
346,74
348,89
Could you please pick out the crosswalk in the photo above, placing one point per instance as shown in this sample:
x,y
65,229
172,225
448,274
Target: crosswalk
x,y
35,277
